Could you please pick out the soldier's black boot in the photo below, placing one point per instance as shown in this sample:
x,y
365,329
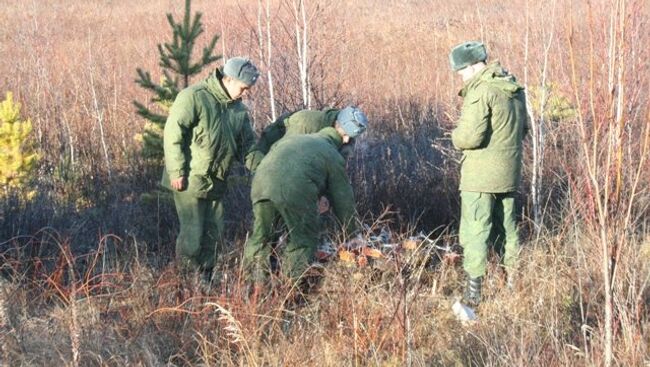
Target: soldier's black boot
x,y
205,279
472,295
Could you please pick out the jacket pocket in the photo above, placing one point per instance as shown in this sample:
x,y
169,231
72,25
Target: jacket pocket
x,y
199,137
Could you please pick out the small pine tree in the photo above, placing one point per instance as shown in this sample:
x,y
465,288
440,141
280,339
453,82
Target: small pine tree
x,y
178,68
557,107
18,157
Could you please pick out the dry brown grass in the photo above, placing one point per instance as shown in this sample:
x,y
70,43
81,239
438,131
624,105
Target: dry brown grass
x,y
356,316
77,296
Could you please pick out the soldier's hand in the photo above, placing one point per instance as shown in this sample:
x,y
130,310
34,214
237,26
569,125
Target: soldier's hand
x,y
179,183
323,205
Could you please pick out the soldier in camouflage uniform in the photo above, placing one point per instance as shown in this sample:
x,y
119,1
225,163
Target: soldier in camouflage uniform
x,y
297,170
489,132
304,122
208,127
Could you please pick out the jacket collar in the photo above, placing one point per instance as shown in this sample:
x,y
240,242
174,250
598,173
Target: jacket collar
x,y
332,137
216,87
490,71
331,114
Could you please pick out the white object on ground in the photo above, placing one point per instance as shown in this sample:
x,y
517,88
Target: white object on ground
x,y
464,313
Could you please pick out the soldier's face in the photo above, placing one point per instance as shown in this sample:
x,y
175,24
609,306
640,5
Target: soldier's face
x,y
469,72
466,73
345,138
236,89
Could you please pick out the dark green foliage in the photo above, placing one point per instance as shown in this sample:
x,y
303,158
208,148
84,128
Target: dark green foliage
x,y
177,69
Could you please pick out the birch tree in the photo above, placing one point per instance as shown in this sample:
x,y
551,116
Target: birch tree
x,y
301,23
266,48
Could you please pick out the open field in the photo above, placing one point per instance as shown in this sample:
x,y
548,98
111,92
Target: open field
x,y
87,276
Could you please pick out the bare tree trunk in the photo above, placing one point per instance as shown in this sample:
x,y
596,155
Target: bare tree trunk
x,y
269,69
260,33
534,186
538,127
265,51
302,46
609,338
616,53
541,127
620,123
599,184
305,59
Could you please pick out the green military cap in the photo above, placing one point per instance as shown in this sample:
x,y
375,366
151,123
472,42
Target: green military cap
x,y
241,69
466,54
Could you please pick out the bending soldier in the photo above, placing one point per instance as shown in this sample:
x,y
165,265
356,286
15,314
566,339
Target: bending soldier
x,y
286,188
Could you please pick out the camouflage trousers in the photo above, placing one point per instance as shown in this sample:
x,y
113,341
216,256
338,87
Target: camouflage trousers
x,y
486,219
201,229
302,225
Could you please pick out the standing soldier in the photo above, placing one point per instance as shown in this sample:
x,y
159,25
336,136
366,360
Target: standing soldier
x,y
286,188
208,127
489,132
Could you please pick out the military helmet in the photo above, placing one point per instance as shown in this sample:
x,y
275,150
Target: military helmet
x,y
353,121
466,54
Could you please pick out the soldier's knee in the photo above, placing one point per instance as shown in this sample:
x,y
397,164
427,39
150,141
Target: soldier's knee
x,y
188,246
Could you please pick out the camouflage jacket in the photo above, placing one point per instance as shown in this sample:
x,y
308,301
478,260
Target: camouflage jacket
x,y
301,168
490,131
205,131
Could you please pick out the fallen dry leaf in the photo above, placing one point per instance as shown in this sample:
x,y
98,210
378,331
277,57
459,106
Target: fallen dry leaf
x,y
347,256
362,261
410,244
322,255
372,252
452,257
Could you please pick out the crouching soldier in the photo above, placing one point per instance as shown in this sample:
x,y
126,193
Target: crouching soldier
x,y
489,132
207,129
286,187
302,122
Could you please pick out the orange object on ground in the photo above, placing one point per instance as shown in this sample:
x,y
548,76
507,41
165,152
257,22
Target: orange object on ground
x,y
410,244
372,252
347,256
